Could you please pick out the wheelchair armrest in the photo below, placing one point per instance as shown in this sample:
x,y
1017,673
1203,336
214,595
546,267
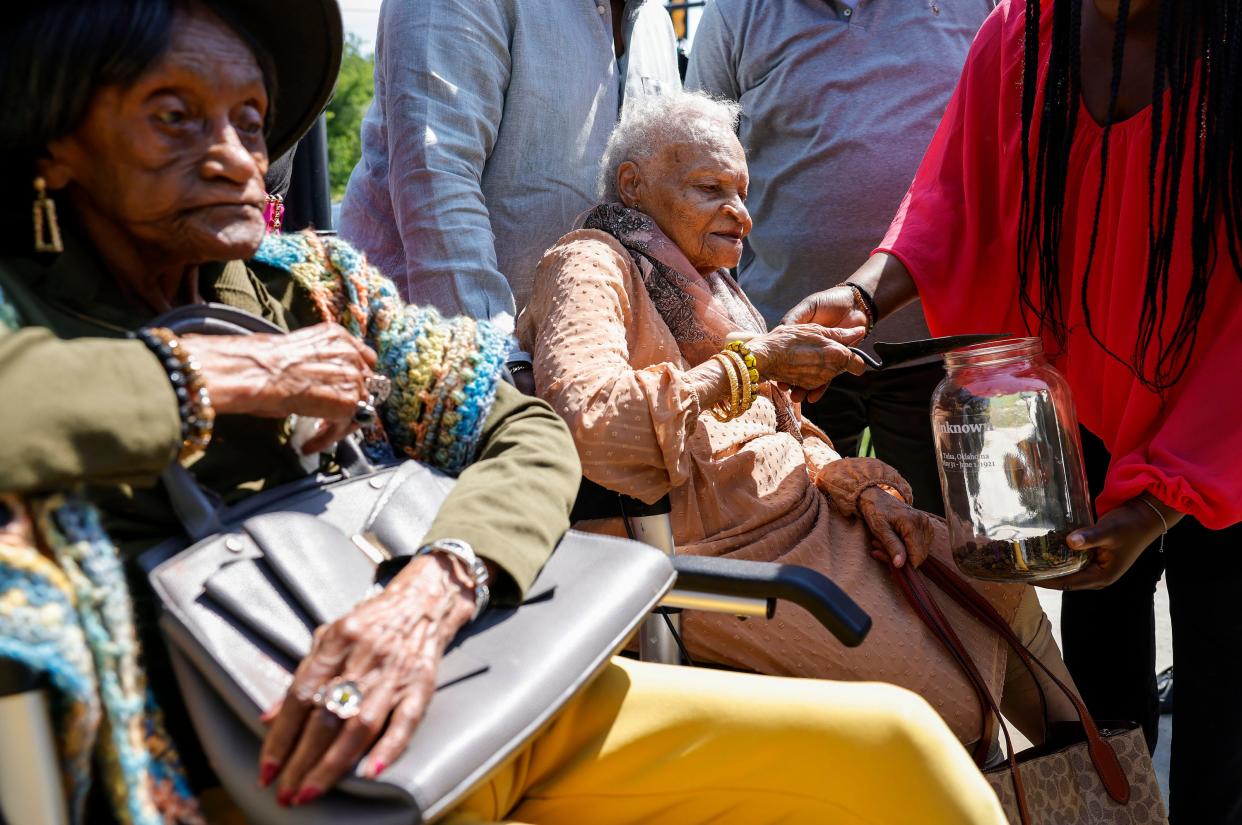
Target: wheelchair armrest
x,y
808,589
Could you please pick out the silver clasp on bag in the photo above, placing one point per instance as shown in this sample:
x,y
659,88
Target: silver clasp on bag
x,y
373,551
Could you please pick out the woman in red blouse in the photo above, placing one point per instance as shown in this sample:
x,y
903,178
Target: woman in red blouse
x,y
1042,205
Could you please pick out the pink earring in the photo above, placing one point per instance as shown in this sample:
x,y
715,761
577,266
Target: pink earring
x,y
274,212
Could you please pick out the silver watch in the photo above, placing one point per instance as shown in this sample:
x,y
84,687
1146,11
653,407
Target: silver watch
x,y
465,553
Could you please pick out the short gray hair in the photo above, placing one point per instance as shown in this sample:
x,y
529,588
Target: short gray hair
x,y
651,122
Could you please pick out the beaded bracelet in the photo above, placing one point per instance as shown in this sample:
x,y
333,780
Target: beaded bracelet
x,y
864,302
748,359
186,376
732,411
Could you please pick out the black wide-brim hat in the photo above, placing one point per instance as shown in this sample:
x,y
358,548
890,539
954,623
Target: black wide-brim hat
x,y
305,40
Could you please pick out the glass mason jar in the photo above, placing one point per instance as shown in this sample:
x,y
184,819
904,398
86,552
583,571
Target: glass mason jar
x,y
1010,462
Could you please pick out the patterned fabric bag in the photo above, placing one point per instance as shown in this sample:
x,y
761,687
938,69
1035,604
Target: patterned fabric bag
x,y
1062,788
1082,775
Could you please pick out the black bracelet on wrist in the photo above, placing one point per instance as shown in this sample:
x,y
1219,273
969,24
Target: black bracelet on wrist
x,y
866,303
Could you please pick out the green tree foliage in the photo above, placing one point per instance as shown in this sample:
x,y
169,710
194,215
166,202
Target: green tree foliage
x,y
354,88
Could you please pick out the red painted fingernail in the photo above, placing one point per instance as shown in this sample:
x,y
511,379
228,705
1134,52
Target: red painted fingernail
x,y
284,796
307,795
267,772
377,767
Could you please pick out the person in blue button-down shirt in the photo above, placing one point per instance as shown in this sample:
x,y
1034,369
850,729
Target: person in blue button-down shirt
x,y
483,142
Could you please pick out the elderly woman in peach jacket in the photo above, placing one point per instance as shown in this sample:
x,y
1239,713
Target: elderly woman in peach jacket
x,y
628,312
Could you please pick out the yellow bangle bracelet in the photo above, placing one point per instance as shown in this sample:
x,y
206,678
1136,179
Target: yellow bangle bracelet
x,y
732,410
743,376
748,358
735,385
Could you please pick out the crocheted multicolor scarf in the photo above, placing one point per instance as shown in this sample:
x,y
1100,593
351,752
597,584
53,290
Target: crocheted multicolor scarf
x,y
66,614
444,371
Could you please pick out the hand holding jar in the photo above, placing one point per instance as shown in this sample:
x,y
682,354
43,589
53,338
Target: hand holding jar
x,y
1010,463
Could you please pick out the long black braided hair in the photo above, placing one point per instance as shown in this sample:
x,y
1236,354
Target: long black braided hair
x,y
1198,74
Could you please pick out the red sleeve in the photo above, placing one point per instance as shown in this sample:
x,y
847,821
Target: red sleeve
x,y
1192,459
956,233
956,226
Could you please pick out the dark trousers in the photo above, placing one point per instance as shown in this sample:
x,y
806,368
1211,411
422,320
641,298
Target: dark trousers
x,y
896,404
1110,648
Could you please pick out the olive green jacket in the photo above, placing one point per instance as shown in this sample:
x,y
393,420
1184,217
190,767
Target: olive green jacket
x,y
82,403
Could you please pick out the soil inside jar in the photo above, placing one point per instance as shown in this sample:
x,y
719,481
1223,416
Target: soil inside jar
x,y
1032,554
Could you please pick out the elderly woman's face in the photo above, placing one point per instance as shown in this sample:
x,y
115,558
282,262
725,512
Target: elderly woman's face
x,y
696,193
175,162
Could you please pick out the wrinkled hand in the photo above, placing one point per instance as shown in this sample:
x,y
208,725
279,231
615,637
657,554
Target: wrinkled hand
x,y
806,355
390,645
833,307
898,530
1117,539
317,372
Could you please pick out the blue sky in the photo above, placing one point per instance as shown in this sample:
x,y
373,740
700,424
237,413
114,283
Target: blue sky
x,y
361,18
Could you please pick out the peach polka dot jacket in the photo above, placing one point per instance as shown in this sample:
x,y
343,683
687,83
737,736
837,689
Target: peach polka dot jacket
x,y
609,364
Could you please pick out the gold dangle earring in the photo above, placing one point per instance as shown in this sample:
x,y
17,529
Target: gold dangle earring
x,y
46,227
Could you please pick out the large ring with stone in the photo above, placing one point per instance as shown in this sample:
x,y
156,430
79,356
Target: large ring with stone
x,y
378,387
342,698
364,413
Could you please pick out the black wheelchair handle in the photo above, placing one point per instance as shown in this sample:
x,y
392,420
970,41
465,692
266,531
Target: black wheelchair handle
x,y
807,588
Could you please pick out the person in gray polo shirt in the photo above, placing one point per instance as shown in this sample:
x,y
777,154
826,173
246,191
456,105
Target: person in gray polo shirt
x,y
839,100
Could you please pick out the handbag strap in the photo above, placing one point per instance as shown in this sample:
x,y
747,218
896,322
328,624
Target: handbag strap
x,y
931,617
913,588
1103,757
201,512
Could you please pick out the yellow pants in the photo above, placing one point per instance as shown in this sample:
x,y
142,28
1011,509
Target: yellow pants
x,y
650,743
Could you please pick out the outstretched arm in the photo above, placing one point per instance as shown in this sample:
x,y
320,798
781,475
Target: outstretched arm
x,y
884,277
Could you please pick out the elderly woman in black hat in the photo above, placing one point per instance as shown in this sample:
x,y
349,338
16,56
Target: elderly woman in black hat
x,y
141,130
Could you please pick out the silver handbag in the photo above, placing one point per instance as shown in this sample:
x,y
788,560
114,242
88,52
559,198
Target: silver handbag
x,y
241,604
